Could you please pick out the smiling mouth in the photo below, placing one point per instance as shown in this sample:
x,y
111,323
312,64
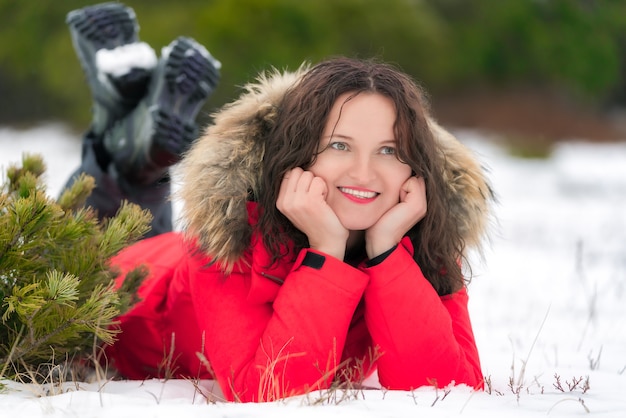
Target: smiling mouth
x,y
360,194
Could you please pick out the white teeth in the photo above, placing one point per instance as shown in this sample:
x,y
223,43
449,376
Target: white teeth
x,y
358,193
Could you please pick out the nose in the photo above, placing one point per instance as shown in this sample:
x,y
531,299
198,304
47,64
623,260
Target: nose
x,y
362,169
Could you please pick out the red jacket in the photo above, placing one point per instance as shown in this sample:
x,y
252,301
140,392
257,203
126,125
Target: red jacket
x,y
265,333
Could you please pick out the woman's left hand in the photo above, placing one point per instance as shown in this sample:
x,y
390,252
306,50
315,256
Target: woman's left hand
x,y
394,224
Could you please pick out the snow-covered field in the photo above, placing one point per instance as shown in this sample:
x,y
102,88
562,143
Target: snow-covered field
x,y
548,303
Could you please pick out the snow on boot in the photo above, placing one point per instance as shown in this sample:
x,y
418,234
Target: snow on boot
x,y
163,125
118,67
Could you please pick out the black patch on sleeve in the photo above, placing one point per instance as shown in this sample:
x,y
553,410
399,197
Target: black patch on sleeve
x,y
313,260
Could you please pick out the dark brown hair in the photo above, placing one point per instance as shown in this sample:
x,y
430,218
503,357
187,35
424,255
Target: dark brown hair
x,y
294,140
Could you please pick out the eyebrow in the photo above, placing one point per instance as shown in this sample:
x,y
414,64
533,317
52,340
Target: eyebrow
x,y
384,142
348,137
336,135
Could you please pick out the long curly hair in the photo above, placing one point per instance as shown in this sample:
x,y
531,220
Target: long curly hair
x,y
294,139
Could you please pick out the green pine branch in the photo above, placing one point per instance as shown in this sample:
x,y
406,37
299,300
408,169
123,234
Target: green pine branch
x,y
57,293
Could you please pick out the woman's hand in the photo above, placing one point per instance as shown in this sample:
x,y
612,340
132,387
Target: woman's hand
x,y
393,225
302,199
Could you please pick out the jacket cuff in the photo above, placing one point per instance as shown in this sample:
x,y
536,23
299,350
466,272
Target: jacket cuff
x,y
325,267
380,257
405,243
394,265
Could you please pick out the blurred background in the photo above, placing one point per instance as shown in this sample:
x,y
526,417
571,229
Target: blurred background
x,y
535,71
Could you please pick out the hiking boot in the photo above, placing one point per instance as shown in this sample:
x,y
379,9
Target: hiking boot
x,y
163,125
118,67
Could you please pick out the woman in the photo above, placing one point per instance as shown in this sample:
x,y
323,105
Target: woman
x,y
327,218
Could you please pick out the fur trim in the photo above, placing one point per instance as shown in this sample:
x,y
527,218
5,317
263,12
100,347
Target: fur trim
x,y
224,164
222,167
469,194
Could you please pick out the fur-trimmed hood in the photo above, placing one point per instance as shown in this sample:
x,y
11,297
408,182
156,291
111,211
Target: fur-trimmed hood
x,y
223,166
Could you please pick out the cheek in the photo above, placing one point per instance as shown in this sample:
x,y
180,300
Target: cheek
x,y
396,181
399,174
322,168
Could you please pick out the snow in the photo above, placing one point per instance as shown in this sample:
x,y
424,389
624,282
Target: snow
x,y
121,60
547,303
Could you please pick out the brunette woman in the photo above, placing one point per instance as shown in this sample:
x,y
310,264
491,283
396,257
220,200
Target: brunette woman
x,y
326,221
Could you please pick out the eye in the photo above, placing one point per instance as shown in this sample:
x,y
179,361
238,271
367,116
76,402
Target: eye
x,y
339,146
388,151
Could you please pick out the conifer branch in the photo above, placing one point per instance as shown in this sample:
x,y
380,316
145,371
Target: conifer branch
x,y
57,292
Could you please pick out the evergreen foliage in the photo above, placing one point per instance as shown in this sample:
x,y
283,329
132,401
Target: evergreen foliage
x,y
57,295
575,46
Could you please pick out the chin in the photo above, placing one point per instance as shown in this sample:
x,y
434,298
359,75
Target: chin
x,y
351,225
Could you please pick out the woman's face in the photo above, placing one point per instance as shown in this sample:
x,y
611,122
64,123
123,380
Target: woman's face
x,y
358,159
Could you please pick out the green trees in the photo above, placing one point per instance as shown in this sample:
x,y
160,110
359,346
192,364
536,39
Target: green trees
x,y
572,44
56,288
577,46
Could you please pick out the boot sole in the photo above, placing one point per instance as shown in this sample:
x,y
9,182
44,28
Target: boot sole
x,y
107,25
190,76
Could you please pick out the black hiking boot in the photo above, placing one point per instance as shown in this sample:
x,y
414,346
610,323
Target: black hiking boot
x,y
163,125
118,67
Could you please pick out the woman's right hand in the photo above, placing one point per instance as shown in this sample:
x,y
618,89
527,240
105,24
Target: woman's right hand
x,y
302,199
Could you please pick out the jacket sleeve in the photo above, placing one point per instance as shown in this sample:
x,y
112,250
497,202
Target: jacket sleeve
x,y
266,351
424,339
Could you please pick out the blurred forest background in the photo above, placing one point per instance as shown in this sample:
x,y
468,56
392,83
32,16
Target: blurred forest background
x,y
539,70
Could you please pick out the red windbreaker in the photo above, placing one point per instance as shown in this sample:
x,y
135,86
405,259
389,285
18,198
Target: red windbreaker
x,y
266,333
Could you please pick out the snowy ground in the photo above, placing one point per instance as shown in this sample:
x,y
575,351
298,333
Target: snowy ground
x,y
547,303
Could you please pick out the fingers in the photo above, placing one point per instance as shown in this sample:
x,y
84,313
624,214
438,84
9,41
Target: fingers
x,y
398,220
318,187
290,179
302,199
413,193
299,187
414,183
416,196
414,186
297,179
288,187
